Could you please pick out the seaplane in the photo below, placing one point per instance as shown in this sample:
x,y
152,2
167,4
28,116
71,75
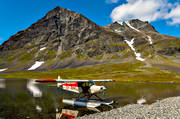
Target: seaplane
x,y
85,88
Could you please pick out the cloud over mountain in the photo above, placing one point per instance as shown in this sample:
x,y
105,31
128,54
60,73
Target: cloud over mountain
x,y
174,15
147,10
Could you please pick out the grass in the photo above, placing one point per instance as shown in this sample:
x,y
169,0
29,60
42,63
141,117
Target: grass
x,y
81,56
66,54
27,56
99,57
116,71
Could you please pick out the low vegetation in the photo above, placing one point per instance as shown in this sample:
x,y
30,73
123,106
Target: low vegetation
x,y
117,71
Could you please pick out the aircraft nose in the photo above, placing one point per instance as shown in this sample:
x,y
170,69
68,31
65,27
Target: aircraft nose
x,y
103,88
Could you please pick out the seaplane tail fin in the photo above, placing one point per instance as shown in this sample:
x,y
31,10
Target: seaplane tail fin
x,y
59,84
59,78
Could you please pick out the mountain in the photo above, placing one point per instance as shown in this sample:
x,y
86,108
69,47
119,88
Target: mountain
x,y
136,23
162,44
66,39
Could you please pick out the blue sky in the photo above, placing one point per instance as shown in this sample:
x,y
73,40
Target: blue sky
x,y
164,15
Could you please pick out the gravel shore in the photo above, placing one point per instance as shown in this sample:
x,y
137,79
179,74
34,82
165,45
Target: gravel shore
x,y
164,109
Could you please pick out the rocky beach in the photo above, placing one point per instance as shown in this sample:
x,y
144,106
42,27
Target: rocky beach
x,y
162,109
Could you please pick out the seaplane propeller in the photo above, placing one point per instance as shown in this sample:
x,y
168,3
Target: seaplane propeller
x,y
103,95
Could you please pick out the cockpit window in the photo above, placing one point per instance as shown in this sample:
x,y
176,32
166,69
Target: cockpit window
x,y
91,83
84,84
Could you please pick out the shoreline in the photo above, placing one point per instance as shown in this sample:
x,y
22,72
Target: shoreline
x,y
117,80
168,108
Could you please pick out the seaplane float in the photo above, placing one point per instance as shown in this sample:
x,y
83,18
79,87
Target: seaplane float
x,y
85,88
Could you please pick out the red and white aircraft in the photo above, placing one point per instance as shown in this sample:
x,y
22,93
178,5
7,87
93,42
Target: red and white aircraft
x,y
86,87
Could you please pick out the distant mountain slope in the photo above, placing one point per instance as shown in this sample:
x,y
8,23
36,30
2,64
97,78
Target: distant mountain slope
x,y
66,39
135,23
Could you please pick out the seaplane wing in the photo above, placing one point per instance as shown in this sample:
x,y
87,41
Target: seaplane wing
x,y
70,80
87,88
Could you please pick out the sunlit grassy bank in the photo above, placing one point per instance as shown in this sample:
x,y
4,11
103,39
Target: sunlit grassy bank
x,y
116,71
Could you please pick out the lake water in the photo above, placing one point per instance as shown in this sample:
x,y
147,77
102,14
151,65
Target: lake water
x,y
21,98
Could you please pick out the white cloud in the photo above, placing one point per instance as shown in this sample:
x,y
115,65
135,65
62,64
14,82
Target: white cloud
x,y
145,10
112,1
174,15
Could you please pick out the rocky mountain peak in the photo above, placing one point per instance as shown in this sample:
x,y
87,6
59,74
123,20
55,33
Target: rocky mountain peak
x,y
134,24
59,23
142,25
56,11
59,11
114,27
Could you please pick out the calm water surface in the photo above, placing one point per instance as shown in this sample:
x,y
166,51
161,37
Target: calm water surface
x,y
21,98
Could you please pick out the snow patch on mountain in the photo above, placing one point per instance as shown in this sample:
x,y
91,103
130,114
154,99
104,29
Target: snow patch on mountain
x,y
42,48
150,39
138,55
117,30
36,65
121,23
1,70
132,26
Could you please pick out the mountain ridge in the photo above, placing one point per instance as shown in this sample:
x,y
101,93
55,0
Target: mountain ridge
x,y
69,40
53,13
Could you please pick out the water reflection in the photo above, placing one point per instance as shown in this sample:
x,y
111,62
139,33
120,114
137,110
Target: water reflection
x,y
2,83
38,108
19,98
33,88
67,113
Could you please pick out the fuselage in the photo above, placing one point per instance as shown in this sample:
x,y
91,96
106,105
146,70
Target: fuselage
x,y
82,87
